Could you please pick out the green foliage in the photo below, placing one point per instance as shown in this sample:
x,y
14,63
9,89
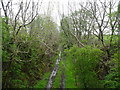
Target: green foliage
x,y
84,62
69,73
5,31
56,83
42,83
107,39
65,41
113,15
24,57
112,79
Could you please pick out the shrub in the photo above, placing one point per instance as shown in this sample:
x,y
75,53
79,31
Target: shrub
x,y
85,61
112,79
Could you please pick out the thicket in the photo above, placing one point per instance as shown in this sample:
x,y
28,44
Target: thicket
x,y
87,69
25,58
112,79
85,61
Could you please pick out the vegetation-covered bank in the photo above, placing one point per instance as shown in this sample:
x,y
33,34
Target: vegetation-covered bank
x,y
87,68
26,58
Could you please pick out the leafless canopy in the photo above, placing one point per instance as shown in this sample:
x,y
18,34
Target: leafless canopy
x,y
26,13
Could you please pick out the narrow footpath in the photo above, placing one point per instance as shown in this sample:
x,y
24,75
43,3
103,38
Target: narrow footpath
x,y
54,72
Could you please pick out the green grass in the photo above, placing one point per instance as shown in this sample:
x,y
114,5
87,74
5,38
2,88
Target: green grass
x,y
56,83
43,83
69,75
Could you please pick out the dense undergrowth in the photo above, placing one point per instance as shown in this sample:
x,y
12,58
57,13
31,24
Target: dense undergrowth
x,y
25,59
85,69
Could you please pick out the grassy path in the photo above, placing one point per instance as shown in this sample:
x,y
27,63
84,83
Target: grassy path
x,y
62,76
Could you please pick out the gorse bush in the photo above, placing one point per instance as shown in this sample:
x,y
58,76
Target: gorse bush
x,y
85,61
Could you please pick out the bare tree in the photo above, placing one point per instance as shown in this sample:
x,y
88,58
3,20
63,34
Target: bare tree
x,y
99,14
24,16
113,21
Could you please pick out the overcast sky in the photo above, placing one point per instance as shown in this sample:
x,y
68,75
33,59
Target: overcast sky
x,y
57,7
